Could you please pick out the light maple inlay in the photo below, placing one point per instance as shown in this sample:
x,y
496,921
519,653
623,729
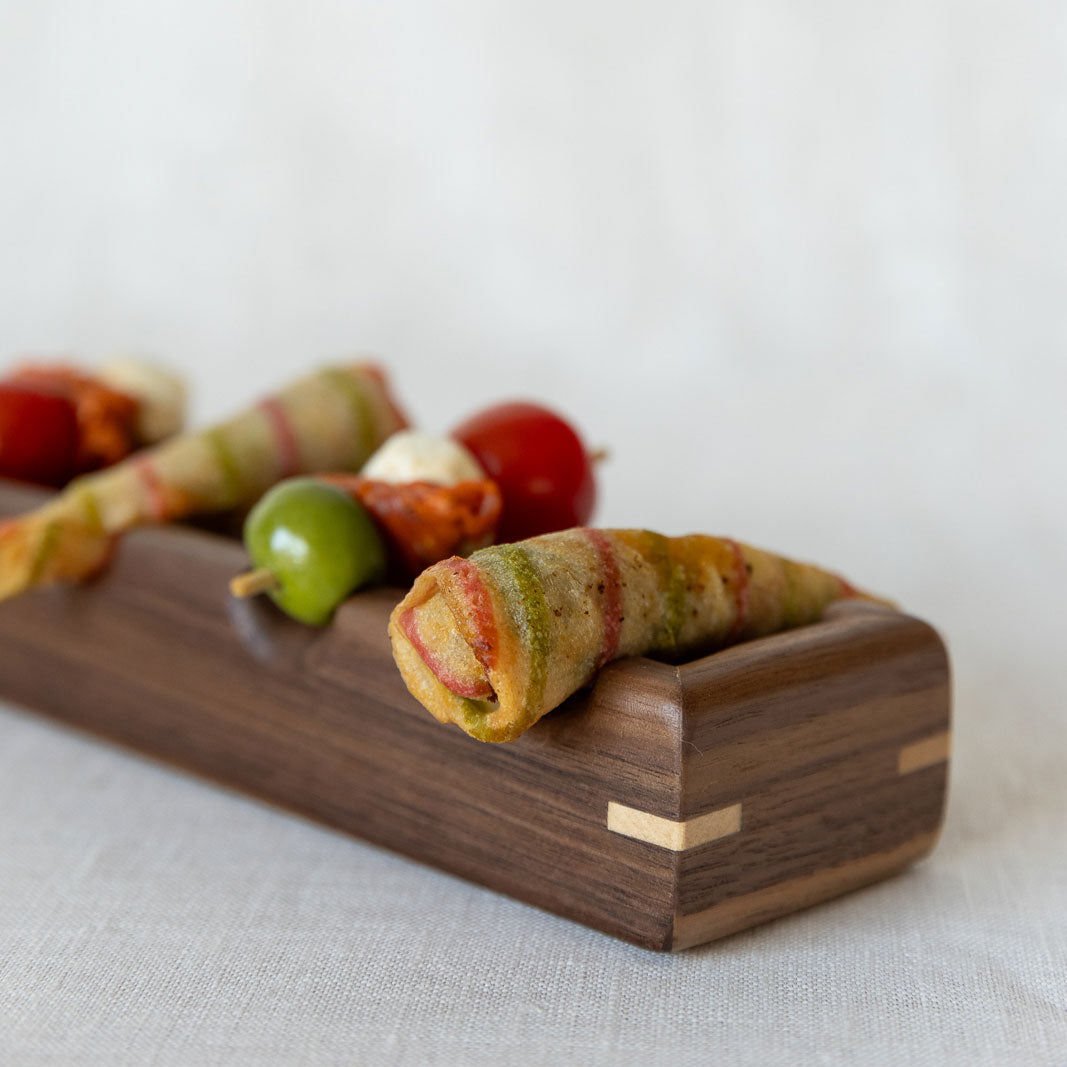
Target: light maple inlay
x,y
924,753
670,833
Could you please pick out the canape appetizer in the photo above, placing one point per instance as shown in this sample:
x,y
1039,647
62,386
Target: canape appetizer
x,y
314,541
494,642
512,470
332,420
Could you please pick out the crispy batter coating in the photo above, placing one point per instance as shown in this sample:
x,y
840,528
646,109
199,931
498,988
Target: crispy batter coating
x,y
494,642
332,420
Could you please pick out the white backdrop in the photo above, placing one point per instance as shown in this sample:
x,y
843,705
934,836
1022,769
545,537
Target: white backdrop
x,y
800,267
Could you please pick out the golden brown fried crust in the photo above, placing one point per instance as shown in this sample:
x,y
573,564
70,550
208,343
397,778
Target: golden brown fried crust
x,y
530,623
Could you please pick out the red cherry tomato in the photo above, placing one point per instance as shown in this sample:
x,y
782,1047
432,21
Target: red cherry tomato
x,y
539,462
38,435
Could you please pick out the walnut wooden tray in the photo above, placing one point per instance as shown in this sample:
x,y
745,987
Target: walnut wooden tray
x,y
666,805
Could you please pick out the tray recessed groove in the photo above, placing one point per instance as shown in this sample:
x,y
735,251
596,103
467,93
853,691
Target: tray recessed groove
x,y
663,805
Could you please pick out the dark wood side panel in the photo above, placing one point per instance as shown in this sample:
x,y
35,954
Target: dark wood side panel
x,y
814,758
776,702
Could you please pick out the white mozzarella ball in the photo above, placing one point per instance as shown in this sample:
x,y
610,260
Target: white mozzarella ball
x,y
413,456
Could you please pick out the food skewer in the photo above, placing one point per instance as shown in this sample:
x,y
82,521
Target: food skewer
x,y
253,583
332,420
494,642
313,541
355,529
428,497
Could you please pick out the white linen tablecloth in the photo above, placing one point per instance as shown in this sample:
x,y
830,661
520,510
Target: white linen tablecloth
x,y
150,918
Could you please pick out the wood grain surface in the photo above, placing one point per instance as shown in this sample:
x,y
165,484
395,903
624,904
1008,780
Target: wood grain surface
x,y
665,805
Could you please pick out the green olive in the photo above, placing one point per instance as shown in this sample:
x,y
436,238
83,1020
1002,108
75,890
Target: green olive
x,y
319,545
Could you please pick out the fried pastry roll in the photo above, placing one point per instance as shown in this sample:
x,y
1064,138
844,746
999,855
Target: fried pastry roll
x,y
495,641
332,420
